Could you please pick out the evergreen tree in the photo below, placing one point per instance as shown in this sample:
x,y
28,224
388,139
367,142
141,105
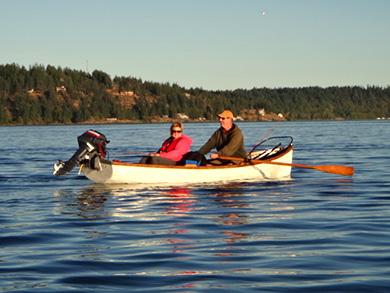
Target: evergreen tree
x,y
30,97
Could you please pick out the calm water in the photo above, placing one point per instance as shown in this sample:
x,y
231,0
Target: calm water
x,y
318,232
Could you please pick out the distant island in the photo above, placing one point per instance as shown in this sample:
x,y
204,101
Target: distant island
x,y
54,95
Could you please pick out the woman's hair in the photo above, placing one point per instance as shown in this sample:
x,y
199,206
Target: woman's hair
x,y
176,124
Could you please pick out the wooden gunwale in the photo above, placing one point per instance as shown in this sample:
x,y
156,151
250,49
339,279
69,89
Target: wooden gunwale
x,y
243,164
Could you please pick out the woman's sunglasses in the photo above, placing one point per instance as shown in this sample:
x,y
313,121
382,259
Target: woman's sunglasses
x,y
178,131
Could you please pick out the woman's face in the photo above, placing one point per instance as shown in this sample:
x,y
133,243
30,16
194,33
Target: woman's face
x,y
176,132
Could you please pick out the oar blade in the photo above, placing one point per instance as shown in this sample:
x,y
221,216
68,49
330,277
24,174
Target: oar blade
x,y
336,169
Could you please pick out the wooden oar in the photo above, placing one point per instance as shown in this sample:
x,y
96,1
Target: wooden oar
x,y
335,169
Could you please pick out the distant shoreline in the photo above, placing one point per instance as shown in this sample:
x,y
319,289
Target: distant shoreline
x,y
155,119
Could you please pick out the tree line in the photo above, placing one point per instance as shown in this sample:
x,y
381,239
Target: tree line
x,y
46,95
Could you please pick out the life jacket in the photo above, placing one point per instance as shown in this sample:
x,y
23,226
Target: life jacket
x,y
169,144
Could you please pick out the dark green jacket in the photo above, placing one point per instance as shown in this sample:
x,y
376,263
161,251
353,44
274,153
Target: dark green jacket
x,y
229,143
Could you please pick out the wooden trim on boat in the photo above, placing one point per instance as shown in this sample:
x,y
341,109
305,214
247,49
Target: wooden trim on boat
x,y
243,164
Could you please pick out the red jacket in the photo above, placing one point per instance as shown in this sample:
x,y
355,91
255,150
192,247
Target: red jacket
x,y
175,149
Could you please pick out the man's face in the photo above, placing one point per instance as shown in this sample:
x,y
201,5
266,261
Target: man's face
x,y
226,123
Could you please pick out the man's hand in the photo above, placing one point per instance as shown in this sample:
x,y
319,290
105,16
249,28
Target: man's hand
x,y
214,155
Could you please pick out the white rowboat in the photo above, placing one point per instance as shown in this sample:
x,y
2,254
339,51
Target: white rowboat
x,y
91,159
119,172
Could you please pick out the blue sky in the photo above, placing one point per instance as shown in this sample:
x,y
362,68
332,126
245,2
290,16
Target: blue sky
x,y
211,44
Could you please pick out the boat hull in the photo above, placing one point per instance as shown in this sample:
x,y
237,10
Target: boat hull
x,y
111,172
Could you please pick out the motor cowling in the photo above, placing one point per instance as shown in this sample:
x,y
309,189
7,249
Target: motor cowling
x,y
92,144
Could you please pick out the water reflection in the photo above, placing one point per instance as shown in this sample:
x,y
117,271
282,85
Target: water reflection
x,y
178,226
87,203
181,202
181,199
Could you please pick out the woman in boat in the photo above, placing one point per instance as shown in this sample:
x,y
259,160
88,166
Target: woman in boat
x,y
228,140
172,149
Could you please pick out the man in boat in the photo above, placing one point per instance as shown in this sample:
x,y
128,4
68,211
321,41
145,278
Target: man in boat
x,y
228,140
172,149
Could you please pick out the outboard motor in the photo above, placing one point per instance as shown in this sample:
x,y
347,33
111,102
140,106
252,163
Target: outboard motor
x,y
92,146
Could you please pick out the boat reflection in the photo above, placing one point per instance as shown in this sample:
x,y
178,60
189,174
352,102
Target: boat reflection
x,y
182,225
87,203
